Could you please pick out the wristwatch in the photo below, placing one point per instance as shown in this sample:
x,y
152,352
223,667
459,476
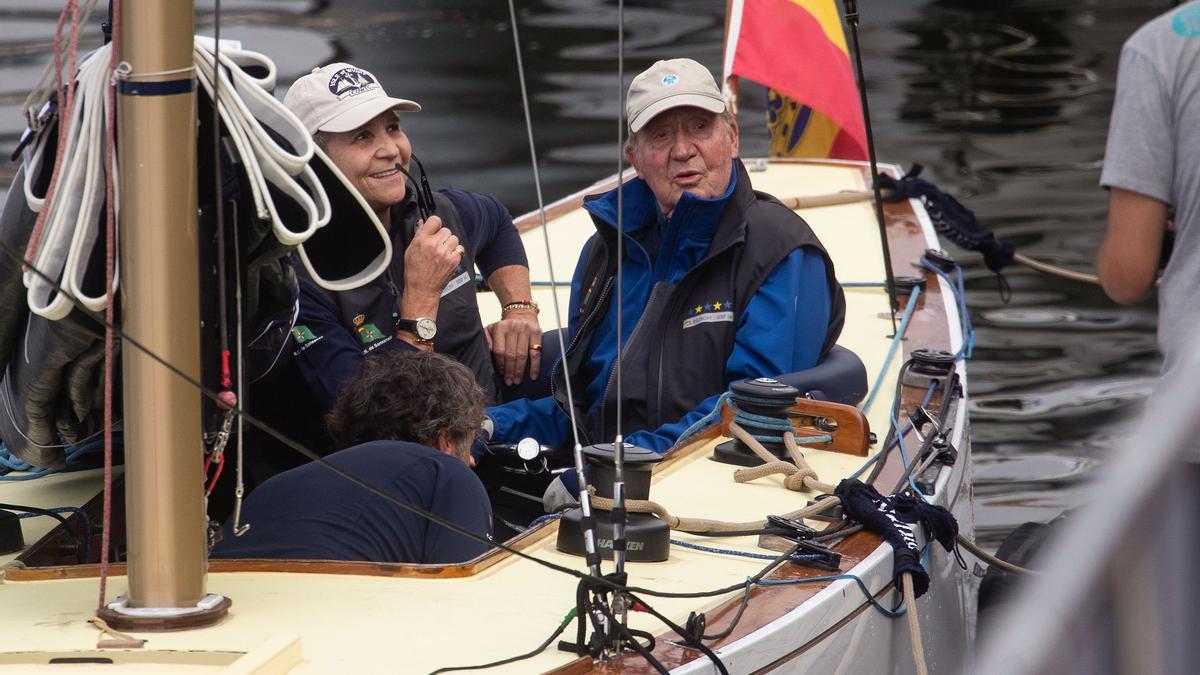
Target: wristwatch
x,y
423,327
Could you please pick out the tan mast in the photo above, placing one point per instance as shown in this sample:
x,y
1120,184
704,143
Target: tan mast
x,y
165,514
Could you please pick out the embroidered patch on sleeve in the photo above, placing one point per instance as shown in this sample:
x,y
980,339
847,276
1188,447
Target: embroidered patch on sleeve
x,y
302,334
369,333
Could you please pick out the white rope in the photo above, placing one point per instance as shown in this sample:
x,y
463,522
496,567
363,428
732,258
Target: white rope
x,y
247,112
73,221
251,116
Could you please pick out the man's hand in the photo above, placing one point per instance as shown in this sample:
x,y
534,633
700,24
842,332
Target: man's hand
x,y
430,261
513,340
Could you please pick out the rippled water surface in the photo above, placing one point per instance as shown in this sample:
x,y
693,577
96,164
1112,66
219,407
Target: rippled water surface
x,y
1005,104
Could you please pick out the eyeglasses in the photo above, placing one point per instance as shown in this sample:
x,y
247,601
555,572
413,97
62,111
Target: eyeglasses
x,y
425,204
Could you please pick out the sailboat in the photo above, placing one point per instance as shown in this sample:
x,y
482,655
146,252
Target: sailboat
x,y
790,601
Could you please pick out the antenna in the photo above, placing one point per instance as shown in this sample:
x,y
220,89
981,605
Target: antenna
x,y
852,21
585,501
620,604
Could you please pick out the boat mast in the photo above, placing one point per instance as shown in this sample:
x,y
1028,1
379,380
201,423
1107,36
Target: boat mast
x,y
165,514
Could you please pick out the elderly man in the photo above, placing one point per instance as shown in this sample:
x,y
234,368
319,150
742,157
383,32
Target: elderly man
x,y
720,283
415,448
425,299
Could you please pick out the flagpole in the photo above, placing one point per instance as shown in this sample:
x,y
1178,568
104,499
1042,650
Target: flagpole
x,y
729,81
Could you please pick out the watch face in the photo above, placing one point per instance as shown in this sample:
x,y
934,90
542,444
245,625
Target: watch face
x,y
426,329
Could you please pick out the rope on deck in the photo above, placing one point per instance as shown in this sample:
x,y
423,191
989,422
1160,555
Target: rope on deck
x,y
798,476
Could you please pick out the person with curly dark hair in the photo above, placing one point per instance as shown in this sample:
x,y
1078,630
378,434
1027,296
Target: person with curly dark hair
x,y
407,420
422,397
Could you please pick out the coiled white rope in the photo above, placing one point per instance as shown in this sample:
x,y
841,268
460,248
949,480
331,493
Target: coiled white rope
x,y
73,221
272,145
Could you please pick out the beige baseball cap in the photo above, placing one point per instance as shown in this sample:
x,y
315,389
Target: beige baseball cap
x,y
340,97
673,83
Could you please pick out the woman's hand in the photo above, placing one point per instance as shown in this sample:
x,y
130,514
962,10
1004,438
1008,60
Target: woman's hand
x,y
515,339
430,261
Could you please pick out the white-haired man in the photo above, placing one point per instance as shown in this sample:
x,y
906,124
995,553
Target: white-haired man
x,y
720,283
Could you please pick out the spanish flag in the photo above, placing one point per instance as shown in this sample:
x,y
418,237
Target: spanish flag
x,y
798,50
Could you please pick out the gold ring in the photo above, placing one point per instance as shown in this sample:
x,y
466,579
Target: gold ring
x,y
460,250
535,348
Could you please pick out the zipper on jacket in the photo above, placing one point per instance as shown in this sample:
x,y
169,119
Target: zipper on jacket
x,y
387,279
575,338
612,370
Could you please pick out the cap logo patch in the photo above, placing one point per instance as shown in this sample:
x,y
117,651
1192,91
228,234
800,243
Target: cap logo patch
x,y
670,80
351,82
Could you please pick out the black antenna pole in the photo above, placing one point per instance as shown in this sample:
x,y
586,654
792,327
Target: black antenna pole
x,y
620,602
852,21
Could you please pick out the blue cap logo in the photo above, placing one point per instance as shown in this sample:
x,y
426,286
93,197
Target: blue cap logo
x,y
670,80
351,82
1186,22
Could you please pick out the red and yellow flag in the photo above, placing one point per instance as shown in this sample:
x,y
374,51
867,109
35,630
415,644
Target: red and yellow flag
x,y
797,49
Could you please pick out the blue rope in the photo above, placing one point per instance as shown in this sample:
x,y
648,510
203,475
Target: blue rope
x,y
959,292
904,456
87,521
11,463
541,519
908,312
744,418
703,421
795,557
875,458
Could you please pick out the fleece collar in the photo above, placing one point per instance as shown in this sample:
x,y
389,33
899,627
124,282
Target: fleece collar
x,y
697,215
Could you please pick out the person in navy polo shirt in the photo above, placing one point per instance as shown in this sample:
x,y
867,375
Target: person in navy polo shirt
x,y
426,297
407,423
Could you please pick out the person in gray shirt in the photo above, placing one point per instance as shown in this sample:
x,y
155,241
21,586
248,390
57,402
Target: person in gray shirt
x,y
1150,167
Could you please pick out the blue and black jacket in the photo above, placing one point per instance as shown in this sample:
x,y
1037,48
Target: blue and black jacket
x,y
725,289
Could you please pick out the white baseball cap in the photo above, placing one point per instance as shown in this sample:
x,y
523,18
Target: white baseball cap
x,y
340,97
671,84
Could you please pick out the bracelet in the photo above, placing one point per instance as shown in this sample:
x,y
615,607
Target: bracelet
x,y
417,341
519,304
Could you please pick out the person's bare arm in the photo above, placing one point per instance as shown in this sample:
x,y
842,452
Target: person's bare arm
x,y
512,336
1127,261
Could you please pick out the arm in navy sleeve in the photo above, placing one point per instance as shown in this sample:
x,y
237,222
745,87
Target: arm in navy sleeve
x,y
781,331
333,354
489,230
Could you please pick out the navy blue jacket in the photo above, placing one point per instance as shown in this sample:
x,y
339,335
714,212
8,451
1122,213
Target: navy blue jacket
x,y
311,513
783,328
328,351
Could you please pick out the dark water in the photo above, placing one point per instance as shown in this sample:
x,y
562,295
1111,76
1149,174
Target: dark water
x,y
1005,104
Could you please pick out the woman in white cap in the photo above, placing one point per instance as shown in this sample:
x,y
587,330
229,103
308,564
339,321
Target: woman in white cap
x,y
426,299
